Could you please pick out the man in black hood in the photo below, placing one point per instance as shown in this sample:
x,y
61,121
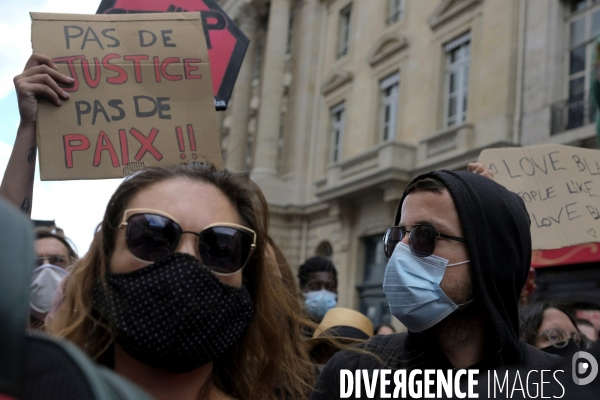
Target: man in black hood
x,y
460,252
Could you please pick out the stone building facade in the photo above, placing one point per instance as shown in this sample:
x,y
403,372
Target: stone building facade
x,y
339,103
558,46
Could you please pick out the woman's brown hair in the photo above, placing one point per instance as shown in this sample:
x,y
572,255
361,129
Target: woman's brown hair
x,y
270,361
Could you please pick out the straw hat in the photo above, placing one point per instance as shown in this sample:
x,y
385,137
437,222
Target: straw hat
x,y
342,322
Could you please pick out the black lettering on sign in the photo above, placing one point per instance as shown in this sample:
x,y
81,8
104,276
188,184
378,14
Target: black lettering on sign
x,y
594,213
570,213
147,38
116,42
575,187
95,38
167,39
82,107
212,21
163,107
547,221
116,104
554,162
98,108
138,107
146,106
508,169
68,29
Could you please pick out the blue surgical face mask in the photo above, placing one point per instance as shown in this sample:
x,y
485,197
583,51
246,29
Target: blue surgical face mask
x,y
319,302
412,287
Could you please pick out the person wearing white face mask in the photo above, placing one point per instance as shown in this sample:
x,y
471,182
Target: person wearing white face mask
x,y
44,283
318,283
54,257
459,255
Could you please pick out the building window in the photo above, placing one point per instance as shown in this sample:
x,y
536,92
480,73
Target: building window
x,y
458,53
578,108
373,302
584,28
344,31
395,11
337,131
389,105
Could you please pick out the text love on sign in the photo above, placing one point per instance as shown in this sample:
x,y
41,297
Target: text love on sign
x,y
560,186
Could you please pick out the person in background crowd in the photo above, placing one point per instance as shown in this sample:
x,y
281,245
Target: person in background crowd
x,y
551,328
54,248
54,256
464,242
54,253
587,328
318,283
347,326
385,329
159,297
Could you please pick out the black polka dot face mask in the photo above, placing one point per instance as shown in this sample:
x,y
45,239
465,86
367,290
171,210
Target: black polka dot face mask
x,y
174,314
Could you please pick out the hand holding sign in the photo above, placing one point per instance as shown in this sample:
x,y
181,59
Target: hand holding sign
x,y
39,79
138,83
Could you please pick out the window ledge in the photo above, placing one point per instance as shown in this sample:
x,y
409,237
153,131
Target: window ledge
x,y
453,138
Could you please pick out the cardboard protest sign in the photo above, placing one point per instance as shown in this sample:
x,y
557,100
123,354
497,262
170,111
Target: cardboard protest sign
x,y
142,94
560,186
226,42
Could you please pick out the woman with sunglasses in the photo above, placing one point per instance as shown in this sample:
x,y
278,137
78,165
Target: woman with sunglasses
x,y
175,292
176,295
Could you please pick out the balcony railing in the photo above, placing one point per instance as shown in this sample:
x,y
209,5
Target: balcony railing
x,y
572,113
388,157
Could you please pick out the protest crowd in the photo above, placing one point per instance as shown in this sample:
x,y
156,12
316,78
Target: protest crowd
x,y
184,295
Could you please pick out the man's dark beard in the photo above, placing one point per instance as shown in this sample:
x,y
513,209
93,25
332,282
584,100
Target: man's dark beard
x,y
460,326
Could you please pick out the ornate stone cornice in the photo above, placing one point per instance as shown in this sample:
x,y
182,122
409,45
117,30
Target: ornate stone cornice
x,y
335,80
449,9
385,47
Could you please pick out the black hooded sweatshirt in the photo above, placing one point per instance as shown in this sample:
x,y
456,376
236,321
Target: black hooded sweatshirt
x,y
496,227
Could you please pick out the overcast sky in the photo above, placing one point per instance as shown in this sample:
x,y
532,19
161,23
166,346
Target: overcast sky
x,y
77,206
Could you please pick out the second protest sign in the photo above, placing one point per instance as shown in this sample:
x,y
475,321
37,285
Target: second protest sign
x,y
560,186
142,94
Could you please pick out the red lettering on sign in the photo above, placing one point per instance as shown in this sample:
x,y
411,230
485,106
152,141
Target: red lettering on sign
x,y
69,61
179,134
122,74
191,68
85,65
146,144
124,146
70,147
136,58
102,144
192,137
156,69
165,64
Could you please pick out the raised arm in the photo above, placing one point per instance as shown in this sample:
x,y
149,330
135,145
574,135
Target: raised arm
x,y
38,80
